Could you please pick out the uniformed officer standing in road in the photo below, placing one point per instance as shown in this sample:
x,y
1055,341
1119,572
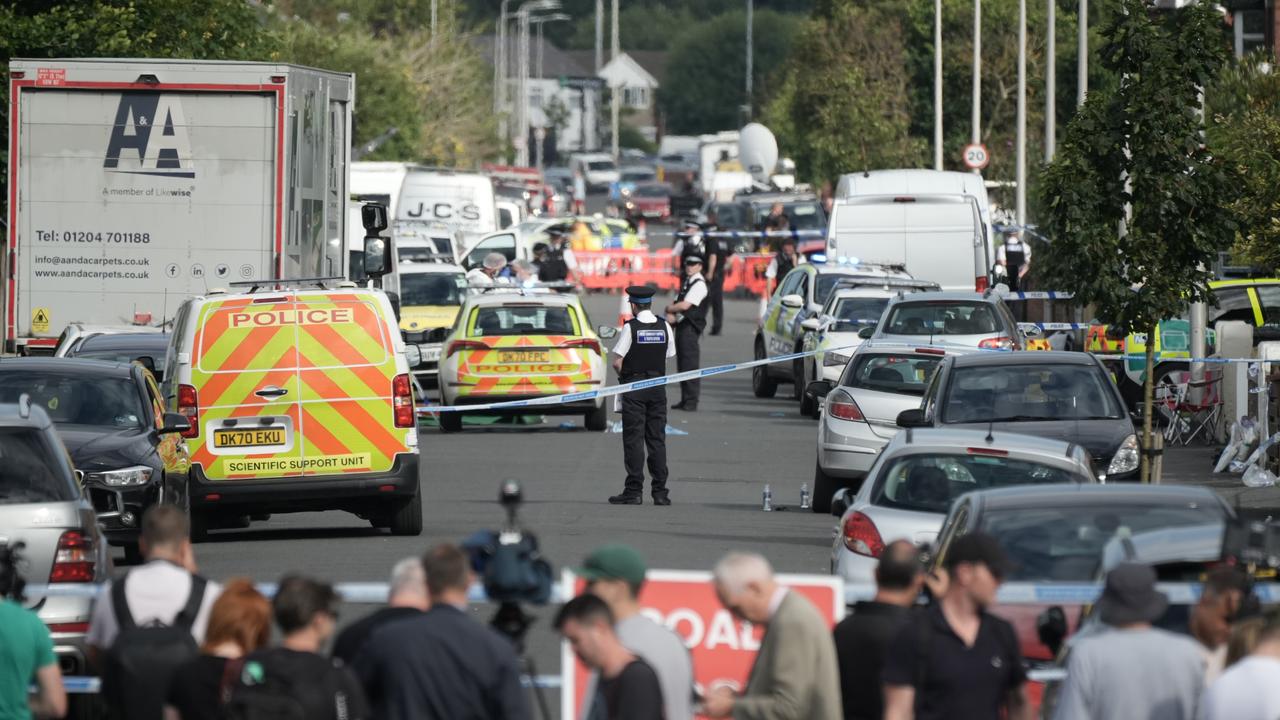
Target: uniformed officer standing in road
x,y
558,262
718,252
1015,257
689,315
643,347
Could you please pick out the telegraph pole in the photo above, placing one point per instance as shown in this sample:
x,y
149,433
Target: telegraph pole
x,y
1051,84
1022,114
599,35
750,26
937,84
977,73
1082,52
616,105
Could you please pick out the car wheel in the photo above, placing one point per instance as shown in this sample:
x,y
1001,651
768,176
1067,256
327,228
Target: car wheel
x,y
598,419
761,384
406,519
808,403
132,555
824,487
199,526
450,422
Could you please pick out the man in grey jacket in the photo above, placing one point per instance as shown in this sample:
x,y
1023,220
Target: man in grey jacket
x,y
795,676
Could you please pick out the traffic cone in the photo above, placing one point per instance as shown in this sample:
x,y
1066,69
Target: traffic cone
x,y
624,310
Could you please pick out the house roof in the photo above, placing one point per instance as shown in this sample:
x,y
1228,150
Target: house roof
x,y
654,62
625,66
555,62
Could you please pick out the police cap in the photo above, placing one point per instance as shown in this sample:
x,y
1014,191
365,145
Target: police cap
x,y
640,294
693,260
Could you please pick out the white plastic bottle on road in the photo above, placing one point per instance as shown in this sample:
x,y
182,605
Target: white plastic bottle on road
x,y
804,497
768,499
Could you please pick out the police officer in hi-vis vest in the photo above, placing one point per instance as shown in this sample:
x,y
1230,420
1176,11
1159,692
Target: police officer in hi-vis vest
x,y
644,344
689,316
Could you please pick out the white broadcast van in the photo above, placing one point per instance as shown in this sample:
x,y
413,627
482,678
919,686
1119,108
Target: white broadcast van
x,y
136,184
598,170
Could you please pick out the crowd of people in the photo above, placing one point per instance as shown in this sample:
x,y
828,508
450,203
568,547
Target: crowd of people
x,y
170,644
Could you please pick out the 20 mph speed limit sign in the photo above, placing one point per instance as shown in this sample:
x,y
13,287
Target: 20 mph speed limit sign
x,y
976,157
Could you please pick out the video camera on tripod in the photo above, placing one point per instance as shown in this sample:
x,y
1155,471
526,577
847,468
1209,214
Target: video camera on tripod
x,y
508,561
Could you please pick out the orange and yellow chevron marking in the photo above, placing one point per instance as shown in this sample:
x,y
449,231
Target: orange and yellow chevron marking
x,y
333,356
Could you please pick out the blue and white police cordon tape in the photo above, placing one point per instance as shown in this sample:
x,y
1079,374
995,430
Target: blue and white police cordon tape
x,y
1036,295
746,234
1057,325
624,388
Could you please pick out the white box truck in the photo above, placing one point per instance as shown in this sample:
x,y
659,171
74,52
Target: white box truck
x,y
134,184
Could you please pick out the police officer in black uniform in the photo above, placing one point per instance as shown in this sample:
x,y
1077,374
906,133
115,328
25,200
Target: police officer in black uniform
x,y
643,347
689,315
554,267
1015,256
718,252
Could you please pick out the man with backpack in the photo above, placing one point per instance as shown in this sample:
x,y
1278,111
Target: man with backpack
x,y
152,619
954,659
294,681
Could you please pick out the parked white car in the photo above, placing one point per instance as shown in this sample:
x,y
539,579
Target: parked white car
x,y
913,483
861,407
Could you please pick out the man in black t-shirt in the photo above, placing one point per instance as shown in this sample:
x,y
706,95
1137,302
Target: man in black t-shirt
x,y
863,637
295,680
954,659
628,687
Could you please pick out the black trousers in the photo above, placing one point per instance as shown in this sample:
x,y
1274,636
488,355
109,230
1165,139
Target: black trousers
x,y
715,302
688,355
644,427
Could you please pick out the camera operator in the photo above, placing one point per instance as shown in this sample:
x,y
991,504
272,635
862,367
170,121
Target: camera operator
x,y
26,651
441,664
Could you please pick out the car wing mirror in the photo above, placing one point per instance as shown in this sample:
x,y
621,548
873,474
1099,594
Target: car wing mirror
x,y
840,502
607,332
911,418
412,355
866,332
811,324
792,301
174,423
818,389
1051,628
1030,330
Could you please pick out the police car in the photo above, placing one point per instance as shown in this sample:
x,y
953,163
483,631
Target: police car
x,y
431,294
519,344
833,334
800,296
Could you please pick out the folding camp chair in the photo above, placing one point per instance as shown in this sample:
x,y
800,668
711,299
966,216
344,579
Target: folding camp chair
x,y
1198,408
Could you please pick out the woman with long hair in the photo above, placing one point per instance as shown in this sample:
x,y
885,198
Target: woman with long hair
x,y
239,623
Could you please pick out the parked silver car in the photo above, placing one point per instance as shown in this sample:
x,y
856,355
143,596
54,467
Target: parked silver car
x,y
910,488
979,320
860,412
43,506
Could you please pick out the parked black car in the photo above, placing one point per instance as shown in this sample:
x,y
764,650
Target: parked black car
x,y
145,348
1060,395
111,419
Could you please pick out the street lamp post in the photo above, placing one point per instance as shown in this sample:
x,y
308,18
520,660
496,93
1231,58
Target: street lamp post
x,y
1082,52
522,97
750,31
977,73
1022,115
500,61
937,84
1051,84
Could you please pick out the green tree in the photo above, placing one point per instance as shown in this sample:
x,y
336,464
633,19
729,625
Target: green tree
x,y
704,88
1134,155
1244,106
843,104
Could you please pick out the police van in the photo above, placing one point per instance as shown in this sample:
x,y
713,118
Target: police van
x,y
298,399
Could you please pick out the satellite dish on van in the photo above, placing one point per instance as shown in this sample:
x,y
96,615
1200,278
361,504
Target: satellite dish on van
x,y
758,151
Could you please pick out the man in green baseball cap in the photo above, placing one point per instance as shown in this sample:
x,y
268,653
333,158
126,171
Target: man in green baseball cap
x,y
616,573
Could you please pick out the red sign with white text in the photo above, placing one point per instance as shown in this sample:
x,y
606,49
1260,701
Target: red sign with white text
x,y
722,648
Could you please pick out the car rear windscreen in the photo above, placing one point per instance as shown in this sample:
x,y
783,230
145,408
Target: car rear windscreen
x,y
854,313
90,400
1006,392
941,318
929,482
28,471
900,374
524,320
417,289
1068,543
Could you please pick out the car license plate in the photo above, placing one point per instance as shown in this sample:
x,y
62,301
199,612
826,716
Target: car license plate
x,y
430,354
256,437
523,356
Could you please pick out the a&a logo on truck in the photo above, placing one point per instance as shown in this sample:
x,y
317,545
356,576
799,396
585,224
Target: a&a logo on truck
x,y
149,136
